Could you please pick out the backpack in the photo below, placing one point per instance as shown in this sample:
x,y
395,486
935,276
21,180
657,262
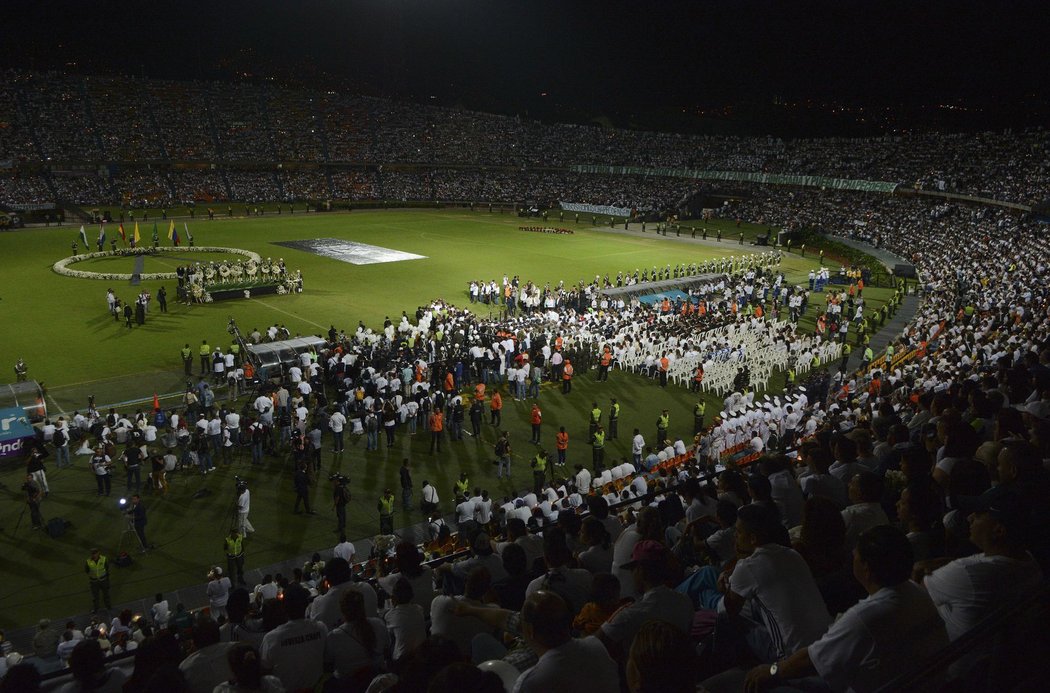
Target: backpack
x,y
160,419
59,438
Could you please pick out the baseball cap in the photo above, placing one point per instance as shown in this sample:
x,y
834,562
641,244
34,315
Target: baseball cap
x,y
647,551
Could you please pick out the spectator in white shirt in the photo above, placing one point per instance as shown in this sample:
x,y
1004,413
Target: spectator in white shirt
x,y
865,512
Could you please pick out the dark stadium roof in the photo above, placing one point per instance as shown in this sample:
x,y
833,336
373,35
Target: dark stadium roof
x,y
807,67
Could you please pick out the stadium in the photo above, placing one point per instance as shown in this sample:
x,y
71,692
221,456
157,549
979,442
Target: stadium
x,y
321,389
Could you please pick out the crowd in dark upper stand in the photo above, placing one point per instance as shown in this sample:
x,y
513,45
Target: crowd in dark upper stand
x,y
56,119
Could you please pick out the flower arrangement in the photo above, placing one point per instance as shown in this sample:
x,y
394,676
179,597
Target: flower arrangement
x,y
63,266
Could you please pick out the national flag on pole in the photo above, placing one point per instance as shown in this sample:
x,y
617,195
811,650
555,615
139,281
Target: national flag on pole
x,y
173,234
171,230
137,236
186,228
155,236
123,235
83,236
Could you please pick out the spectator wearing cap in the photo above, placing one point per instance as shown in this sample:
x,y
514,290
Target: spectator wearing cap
x,y
564,663
875,640
294,651
650,570
968,589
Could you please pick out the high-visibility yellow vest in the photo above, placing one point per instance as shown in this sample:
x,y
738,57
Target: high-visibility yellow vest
x,y
596,414
541,463
205,350
599,439
97,569
234,547
386,505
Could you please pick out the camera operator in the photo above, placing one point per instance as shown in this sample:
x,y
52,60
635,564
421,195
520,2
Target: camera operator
x,y
33,497
137,513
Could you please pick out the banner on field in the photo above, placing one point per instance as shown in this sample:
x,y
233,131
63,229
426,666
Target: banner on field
x,y
15,432
608,210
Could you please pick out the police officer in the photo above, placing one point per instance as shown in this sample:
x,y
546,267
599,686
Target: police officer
x,y
614,419
97,569
234,547
385,506
699,409
596,419
598,449
539,472
205,354
662,423
21,370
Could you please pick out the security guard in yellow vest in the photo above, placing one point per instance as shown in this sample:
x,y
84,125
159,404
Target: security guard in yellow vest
x,y
596,419
791,379
614,419
205,354
539,472
699,410
463,485
846,351
385,506
234,547
598,449
97,569
663,422
187,359
235,349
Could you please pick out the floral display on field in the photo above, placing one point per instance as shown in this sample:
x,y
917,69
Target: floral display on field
x,y
546,229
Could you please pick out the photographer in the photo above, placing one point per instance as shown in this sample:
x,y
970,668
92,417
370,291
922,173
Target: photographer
x,y
33,497
137,513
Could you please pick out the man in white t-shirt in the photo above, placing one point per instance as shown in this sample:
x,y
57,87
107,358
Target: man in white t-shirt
x,y
294,651
865,511
207,667
879,637
336,423
344,549
968,589
778,585
565,663
325,608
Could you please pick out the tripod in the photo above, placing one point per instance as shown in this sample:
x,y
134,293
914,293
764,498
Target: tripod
x,y
129,527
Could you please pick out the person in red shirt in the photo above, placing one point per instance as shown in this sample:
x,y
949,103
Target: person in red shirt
x,y
536,418
566,378
437,425
496,407
561,443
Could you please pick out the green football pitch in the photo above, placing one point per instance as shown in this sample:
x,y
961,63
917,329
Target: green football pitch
x,y
62,328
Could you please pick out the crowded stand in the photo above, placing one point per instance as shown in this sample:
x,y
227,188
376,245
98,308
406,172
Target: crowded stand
x,y
830,536
189,121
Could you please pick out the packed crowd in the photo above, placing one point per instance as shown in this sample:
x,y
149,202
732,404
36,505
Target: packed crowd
x,y
65,118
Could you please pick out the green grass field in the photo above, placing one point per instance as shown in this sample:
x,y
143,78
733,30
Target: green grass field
x,y
61,327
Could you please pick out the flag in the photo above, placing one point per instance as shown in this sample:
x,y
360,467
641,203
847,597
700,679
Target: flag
x,y
186,228
137,237
155,236
173,234
171,230
123,235
156,402
101,235
83,236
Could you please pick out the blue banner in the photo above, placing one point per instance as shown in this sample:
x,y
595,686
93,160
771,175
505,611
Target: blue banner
x,y
15,432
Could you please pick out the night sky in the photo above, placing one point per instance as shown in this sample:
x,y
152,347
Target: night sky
x,y
753,66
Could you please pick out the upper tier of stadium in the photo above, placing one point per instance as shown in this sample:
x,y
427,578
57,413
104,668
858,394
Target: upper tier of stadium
x,y
124,140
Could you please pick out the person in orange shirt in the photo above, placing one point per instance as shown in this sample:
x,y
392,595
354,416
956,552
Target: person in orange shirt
x,y
450,383
496,408
566,377
606,362
479,392
536,418
561,443
698,377
665,365
437,426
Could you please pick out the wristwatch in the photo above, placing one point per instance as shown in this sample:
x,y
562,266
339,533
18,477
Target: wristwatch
x,y
773,669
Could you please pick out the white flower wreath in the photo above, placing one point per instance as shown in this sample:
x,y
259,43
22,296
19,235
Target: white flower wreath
x,y
63,266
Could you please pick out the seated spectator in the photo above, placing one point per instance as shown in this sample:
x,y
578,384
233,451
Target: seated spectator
x,y
604,601
647,526
650,569
294,651
919,511
88,666
564,663
968,589
207,667
445,621
410,567
597,554
405,621
865,512
816,481
882,636
509,591
784,490
246,664
325,608
661,660
360,642
460,676
572,584
822,544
